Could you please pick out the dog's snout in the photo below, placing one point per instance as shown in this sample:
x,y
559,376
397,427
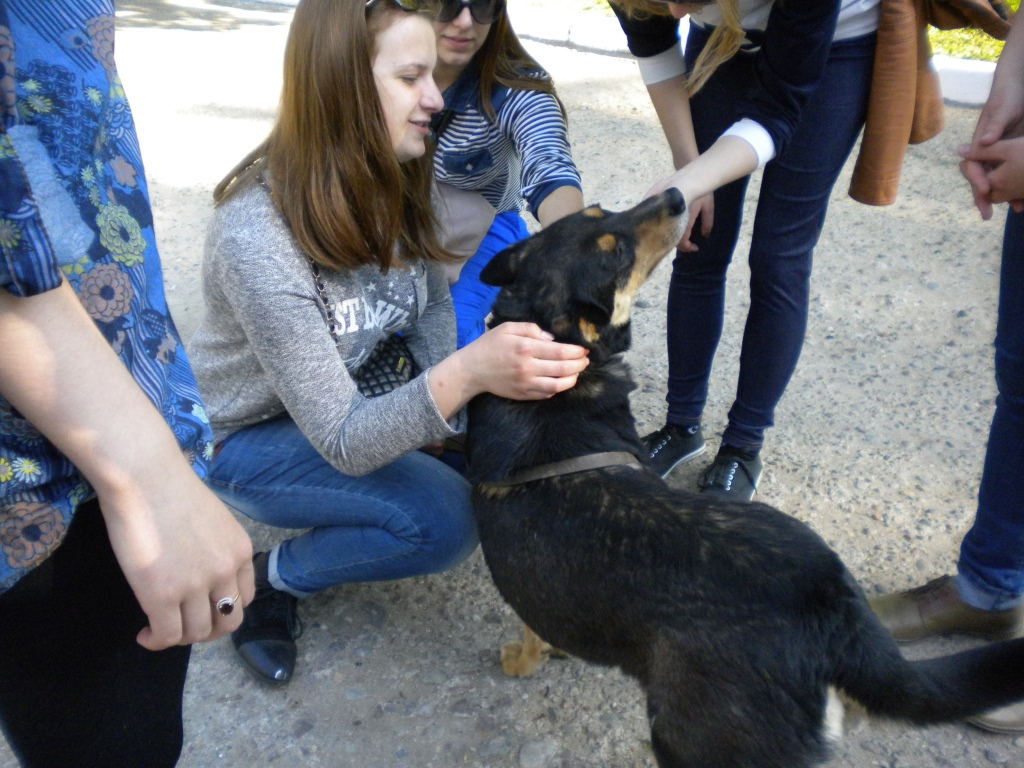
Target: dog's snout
x,y
674,202
667,204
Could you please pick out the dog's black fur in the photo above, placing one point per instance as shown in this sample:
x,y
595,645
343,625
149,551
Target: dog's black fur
x,y
735,618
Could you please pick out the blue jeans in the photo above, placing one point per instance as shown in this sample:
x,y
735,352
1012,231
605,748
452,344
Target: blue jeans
x,y
471,298
791,208
991,567
408,518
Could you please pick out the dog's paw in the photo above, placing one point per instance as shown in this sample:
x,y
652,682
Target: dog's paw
x,y
519,662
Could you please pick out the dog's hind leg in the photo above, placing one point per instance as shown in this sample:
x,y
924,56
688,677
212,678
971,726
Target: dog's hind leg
x,y
718,736
676,740
522,659
721,711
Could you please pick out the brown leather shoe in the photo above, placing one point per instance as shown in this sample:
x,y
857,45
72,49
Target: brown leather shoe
x,y
937,609
1009,719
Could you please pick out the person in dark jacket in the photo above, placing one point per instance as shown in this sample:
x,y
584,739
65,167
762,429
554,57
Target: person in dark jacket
x,y
783,86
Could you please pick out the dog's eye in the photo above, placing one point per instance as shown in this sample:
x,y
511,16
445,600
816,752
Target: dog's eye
x,y
614,246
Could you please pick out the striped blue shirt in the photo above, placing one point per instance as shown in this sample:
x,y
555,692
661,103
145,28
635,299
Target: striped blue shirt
x,y
523,155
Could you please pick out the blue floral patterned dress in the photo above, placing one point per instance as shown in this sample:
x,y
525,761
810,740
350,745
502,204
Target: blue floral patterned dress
x,y
74,206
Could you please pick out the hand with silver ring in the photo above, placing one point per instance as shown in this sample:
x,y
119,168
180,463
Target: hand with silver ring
x,y
227,604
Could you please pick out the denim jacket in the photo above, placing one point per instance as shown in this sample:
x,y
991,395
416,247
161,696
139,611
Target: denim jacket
x,y
523,154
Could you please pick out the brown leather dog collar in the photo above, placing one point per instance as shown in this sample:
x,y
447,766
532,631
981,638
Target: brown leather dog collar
x,y
569,467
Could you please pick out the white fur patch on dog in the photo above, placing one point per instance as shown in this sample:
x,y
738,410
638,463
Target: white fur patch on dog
x,y
834,711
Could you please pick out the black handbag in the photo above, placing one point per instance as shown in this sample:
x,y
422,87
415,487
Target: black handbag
x,y
390,364
388,367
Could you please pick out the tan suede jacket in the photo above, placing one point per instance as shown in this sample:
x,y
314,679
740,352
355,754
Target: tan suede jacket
x,y
905,105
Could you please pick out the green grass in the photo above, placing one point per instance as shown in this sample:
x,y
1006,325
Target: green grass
x,y
967,43
598,5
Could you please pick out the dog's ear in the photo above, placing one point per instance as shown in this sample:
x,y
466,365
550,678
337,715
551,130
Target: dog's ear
x,y
502,268
595,292
597,304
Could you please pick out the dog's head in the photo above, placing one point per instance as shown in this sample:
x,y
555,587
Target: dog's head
x,y
577,277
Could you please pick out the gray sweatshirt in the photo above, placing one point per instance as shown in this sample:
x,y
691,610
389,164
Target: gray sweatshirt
x,y
263,348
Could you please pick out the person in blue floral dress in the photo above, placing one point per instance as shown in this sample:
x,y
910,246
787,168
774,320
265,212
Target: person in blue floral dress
x,y
114,556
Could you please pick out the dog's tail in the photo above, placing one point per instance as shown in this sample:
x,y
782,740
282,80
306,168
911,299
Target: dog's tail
x,y
871,669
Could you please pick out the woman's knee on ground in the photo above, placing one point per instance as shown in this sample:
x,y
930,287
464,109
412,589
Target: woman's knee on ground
x,y
450,534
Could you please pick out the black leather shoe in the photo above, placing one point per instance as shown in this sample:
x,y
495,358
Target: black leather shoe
x,y
266,638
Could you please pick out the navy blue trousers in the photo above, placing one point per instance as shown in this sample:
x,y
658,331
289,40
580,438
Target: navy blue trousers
x,y
791,209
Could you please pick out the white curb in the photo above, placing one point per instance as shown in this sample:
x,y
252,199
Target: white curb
x,y
964,81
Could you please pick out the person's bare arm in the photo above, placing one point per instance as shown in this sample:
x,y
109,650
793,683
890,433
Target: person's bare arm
x,y
178,545
672,106
728,159
561,202
1002,117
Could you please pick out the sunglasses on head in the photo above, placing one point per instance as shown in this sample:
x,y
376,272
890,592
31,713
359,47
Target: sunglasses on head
x,y
687,2
482,11
405,5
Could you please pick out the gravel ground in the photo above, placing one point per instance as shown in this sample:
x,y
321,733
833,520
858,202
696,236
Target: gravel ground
x,y
878,444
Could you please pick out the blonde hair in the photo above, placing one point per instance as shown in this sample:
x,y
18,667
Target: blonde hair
x,y
722,45
330,165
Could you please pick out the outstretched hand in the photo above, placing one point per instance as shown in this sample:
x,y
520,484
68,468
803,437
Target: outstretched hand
x,y
702,209
728,159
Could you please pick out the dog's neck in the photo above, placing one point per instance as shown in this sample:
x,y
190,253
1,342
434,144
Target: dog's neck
x,y
509,436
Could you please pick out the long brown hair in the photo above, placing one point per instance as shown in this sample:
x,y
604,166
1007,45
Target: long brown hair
x,y
722,45
503,60
332,170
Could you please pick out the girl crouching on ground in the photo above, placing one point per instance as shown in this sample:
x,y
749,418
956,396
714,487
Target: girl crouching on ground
x,y
322,248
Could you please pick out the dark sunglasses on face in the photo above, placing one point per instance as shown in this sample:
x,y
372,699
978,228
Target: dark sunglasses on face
x,y
482,11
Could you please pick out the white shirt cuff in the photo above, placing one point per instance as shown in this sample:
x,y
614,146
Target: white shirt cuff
x,y
663,66
756,136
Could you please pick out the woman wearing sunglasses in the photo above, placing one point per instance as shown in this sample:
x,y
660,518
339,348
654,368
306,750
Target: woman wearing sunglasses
x,y
783,85
323,246
502,134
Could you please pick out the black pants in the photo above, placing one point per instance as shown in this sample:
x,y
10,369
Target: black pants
x,y
76,690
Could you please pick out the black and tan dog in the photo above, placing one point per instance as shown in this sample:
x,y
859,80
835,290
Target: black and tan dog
x,y
737,619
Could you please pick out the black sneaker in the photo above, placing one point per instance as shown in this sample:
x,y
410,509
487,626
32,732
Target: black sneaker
x,y
671,446
732,475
